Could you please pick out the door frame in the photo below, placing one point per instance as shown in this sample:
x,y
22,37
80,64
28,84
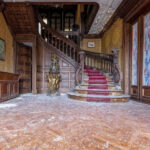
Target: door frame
x,y
22,38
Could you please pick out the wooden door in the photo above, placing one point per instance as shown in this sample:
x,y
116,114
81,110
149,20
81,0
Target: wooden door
x,y
24,68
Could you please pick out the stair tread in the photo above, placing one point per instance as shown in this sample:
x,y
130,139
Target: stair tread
x,y
97,84
98,96
109,90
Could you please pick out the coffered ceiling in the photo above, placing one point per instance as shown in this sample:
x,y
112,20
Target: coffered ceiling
x,y
106,10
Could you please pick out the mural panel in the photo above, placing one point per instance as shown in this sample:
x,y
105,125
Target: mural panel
x,y
134,53
147,50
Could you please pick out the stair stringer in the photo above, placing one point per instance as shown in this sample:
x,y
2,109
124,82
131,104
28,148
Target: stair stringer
x,y
67,65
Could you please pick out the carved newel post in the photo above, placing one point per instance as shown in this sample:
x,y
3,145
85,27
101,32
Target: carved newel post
x,y
82,54
54,77
116,69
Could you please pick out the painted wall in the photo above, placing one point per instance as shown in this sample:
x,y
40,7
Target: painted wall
x,y
113,38
7,64
97,47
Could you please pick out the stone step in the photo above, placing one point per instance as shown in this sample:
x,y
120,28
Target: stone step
x,y
112,92
104,74
110,86
86,81
97,98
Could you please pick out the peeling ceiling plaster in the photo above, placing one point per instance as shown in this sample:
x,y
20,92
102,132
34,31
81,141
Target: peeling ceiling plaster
x,y
106,10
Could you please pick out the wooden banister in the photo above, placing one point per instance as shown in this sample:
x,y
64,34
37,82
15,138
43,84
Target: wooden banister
x,y
58,40
107,63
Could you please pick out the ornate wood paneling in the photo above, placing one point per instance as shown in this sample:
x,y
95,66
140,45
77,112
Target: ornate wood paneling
x,y
24,54
67,70
9,86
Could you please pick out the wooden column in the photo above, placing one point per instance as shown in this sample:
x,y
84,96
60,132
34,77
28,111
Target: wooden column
x,y
34,67
126,58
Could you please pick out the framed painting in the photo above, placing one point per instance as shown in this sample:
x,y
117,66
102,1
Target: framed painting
x,y
91,44
2,49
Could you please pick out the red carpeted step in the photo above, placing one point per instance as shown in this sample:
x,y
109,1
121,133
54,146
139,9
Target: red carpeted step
x,y
96,75
95,71
97,78
93,92
98,99
97,86
97,82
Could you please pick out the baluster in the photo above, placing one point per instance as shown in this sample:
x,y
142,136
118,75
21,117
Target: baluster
x,y
55,41
65,48
74,54
50,38
100,62
107,66
97,62
70,51
94,61
58,42
104,64
62,44
88,61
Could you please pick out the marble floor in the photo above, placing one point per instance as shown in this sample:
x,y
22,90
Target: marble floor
x,y
42,123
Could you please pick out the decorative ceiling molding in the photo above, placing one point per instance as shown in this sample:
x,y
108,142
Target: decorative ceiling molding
x,y
105,12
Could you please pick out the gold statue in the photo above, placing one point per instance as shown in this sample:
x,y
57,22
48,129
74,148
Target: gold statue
x,y
54,77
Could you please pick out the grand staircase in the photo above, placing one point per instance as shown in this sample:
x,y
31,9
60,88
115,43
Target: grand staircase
x,y
98,87
98,77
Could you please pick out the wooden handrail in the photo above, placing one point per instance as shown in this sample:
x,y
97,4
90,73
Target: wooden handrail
x,y
59,41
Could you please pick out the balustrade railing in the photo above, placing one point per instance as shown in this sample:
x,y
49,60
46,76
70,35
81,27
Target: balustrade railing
x,y
107,63
59,41
99,61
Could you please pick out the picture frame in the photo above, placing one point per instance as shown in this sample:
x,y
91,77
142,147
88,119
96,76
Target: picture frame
x,y
91,44
2,49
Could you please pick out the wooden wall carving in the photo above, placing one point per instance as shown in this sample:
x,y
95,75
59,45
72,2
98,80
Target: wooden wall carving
x,y
67,68
9,86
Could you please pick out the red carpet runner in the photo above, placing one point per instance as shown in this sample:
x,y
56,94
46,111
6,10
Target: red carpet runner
x,y
97,86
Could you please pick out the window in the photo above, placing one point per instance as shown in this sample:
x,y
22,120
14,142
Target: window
x,y
56,21
134,53
147,50
69,21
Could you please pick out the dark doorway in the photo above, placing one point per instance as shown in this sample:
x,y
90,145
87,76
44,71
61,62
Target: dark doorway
x,y
24,68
